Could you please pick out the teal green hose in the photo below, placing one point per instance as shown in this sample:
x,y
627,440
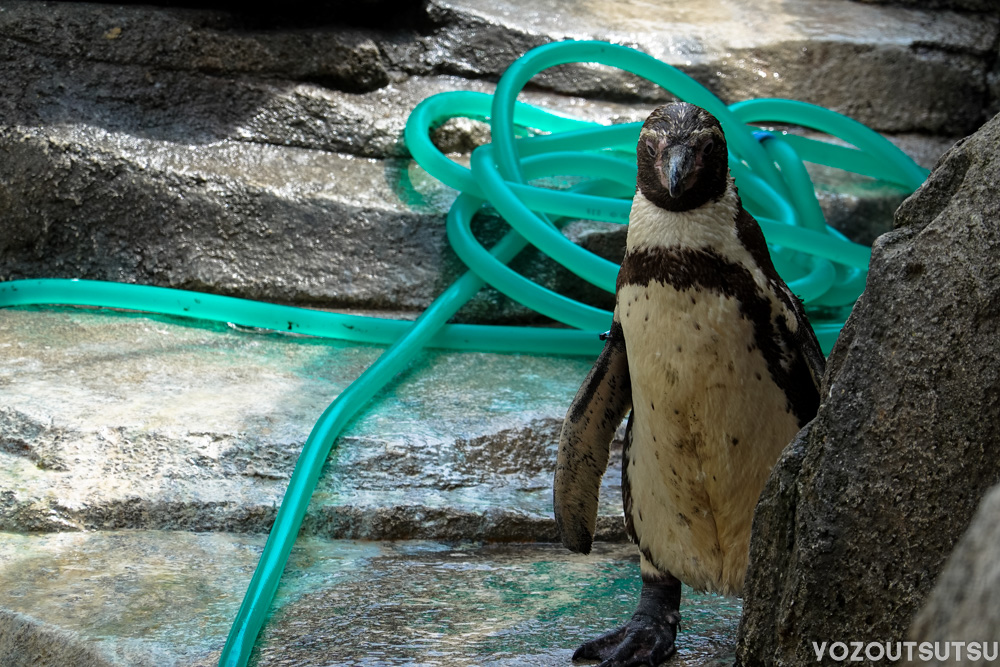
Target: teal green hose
x,y
353,328
253,612
824,268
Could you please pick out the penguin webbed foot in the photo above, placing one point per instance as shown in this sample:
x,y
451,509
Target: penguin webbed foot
x,y
648,637
641,641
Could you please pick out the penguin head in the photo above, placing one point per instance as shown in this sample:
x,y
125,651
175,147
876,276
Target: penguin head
x,y
682,157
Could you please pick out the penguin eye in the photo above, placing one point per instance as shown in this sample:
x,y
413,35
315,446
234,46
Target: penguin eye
x,y
651,149
708,147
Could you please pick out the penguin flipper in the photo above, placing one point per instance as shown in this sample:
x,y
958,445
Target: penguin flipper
x,y
585,442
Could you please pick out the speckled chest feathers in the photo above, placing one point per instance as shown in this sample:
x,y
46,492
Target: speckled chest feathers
x,y
719,384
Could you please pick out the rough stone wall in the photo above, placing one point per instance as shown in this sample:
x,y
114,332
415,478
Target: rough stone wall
x,y
865,506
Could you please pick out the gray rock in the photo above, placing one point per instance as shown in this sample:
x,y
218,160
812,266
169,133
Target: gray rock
x,y
962,607
894,68
163,96
858,517
210,42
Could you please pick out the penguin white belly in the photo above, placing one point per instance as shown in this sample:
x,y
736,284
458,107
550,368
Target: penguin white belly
x,y
708,423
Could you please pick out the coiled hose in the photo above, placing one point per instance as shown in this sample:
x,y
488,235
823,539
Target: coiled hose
x,y
820,265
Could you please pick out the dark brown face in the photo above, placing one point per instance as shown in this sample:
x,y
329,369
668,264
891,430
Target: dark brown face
x,y
682,157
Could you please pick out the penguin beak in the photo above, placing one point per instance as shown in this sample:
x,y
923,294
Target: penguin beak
x,y
676,174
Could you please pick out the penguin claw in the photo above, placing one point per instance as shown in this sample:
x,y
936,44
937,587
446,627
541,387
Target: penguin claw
x,y
644,640
600,648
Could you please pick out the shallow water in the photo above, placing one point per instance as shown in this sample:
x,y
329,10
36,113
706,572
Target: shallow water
x,y
343,602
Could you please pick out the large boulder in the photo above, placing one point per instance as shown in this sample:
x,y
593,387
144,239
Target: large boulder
x,y
864,507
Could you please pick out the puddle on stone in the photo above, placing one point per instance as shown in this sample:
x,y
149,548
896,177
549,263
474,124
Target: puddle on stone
x,y
430,604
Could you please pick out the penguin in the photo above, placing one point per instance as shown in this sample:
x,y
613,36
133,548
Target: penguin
x,y
714,361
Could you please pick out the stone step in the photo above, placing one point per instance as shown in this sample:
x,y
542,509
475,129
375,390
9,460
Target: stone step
x,y
167,599
239,218
282,223
253,209
270,176
120,420
898,69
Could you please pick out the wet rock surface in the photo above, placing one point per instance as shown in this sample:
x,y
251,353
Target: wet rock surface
x,y
183,434
25,641
116,420
167,598
861,512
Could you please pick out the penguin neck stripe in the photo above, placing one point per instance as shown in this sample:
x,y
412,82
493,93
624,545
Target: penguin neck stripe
x,y
702,268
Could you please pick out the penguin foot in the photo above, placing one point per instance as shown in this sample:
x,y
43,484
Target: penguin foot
x,y
648,637
641,641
